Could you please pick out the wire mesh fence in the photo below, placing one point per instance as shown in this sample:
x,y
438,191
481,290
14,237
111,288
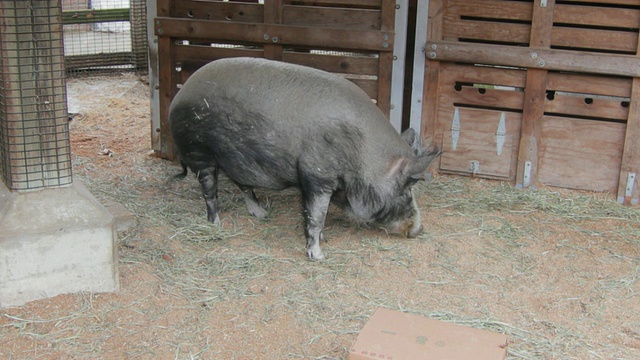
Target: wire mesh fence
x,y
34,135
104,35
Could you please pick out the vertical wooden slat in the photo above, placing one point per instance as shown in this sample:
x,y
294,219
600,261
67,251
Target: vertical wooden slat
x,y
388,11
534,97
273,15
630,168
432,71
167,84
154,77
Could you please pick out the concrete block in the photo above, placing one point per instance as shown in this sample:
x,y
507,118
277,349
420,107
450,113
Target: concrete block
x,y
55,241
124,218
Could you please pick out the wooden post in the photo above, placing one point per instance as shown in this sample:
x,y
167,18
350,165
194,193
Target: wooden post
x,y
35,147
630,168
432,70
167,84
388,12
534,96
273,15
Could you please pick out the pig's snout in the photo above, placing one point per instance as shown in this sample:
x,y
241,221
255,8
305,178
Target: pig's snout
x,y
415,231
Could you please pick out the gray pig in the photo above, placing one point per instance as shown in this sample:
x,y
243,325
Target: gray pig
x,y
275,125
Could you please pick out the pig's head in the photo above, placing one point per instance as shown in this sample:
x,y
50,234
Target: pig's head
x,y
391,204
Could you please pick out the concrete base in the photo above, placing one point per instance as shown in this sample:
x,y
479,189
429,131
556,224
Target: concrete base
x,y
55,241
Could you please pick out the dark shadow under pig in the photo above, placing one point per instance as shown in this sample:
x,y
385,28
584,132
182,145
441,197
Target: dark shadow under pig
x,y
275,125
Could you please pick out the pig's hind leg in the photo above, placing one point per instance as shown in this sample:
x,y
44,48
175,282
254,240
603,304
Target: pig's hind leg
x,y
185,171
315,205
208,179
252,202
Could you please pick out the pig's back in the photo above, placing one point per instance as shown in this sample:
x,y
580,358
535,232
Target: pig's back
x,y
260,119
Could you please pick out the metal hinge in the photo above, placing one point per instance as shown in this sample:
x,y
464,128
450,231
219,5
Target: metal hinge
x,y
501,134
455,129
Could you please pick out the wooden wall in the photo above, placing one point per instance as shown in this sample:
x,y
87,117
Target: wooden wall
x,y
351,37
536,92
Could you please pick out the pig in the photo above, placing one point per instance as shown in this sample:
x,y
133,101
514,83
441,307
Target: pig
x,y
275,125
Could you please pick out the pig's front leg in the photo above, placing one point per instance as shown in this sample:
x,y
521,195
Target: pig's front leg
x,y
315,212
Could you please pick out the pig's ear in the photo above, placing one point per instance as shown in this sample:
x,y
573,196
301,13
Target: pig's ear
x,y
416,168
413,139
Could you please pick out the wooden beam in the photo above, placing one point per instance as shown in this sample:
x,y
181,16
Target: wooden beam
x,y
431,94
534,98
349,39
167,85
535,58
91,16
273,12
630,169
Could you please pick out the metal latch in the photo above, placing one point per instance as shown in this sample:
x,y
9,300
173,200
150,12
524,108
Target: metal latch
x,y
474,167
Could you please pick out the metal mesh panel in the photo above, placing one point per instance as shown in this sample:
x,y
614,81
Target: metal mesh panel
x,y
104,35
34,133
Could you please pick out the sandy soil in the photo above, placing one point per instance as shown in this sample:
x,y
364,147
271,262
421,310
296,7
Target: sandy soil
x,y
556,270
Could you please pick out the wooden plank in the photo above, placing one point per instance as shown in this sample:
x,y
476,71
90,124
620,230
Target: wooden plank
x,y
154,86
534,98
485,75
91,16
78,62
563,60
167,85
580,154
273,14
484,97
492,32
344,18
430,108
354,65
349,39
339,3
587,106
630,167
490,9
388,14
594,39
590,84
217,10
610,17
612,2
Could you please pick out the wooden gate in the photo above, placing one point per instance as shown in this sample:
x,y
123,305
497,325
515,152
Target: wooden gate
x,y
536,92
354,38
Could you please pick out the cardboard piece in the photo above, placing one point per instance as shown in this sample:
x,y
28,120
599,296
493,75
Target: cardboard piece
x,y
394,335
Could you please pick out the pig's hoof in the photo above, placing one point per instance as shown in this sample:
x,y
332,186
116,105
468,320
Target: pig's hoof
x,y
258,212
315,253
215,220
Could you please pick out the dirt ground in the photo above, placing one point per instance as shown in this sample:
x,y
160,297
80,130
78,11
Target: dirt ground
x,y
556,270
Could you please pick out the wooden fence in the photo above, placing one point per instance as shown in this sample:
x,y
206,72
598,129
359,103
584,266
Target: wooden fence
x,y
354,38
540,93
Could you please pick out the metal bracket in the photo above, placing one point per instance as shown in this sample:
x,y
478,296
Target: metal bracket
x,y
455,129
474,167
526,181
631,181
501,134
